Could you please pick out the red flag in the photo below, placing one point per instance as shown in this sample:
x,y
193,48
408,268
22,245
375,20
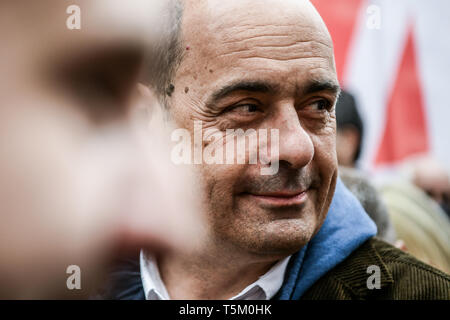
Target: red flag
x,y
405,133
341,18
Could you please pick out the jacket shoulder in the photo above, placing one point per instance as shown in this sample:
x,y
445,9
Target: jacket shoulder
x,y
377,270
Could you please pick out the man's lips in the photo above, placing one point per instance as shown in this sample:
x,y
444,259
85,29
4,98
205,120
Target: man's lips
x,y
281,198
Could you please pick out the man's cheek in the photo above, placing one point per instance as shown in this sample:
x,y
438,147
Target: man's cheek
x,y
219,181
325,152
325,161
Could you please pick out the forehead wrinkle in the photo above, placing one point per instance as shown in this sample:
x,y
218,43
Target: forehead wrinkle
x,y
301,50
298,32
291,36
225,24
279,42
253,18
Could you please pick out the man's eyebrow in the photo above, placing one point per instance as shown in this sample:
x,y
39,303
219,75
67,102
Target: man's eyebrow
x,y
241,85
321,85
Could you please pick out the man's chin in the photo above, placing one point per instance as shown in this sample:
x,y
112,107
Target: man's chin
x,y
280,238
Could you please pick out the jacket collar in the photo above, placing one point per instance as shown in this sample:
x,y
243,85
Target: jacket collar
x,y
346,227
361,267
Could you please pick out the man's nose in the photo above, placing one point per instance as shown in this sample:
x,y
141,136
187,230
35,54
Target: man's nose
x,y
296,146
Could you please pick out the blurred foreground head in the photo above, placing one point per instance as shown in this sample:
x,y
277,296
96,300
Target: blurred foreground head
x,y
78,178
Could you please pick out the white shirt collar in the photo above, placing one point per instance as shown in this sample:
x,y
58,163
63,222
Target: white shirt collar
x,y
264,288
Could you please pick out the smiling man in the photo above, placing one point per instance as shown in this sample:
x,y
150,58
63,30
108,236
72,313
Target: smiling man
x,y
298,233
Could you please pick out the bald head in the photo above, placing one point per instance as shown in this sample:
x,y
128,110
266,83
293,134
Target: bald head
x,y
240,19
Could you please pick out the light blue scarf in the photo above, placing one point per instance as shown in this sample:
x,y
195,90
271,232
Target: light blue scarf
x,y
346,227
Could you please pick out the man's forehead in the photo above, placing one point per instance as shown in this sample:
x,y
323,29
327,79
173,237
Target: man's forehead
x,y
237,16
264,12
234,36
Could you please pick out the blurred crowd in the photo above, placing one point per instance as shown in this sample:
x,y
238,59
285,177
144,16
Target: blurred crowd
x,y
411,208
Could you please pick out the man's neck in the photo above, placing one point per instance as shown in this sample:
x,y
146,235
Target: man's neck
x,y
209,277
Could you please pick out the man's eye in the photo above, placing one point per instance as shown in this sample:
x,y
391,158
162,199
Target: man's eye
x,y
320,105
246,108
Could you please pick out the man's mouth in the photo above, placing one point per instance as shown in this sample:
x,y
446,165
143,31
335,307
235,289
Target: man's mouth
x,y
280,198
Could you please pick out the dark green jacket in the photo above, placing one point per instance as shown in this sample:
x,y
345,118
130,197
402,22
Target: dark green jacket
x,y
401,277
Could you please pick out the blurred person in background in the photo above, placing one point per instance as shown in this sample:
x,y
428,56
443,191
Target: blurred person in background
x,y
80,178
402,215
350,129
430,176
420,223
349,136
371,201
